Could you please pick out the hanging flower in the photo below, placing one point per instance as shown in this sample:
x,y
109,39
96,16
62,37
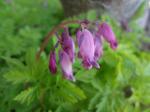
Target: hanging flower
x,y
68,44
66,65
106,31
86,48
90,47
52,62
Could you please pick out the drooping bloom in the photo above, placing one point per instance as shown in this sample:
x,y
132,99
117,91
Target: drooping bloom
x,y
98,46
52,62
68,44
90,48
86,48
66,65
106,31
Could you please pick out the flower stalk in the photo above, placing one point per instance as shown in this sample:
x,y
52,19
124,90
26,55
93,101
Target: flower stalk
x,y
52,32
89,41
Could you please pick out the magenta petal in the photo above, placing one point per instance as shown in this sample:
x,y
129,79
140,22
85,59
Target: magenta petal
x,y
86,48
114,45
66,65
79,37
79,55
106,31
98,47
87,64
95,64
69,48
52,62
68,45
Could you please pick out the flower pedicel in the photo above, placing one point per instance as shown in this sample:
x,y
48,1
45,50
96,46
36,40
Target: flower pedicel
x,y
90,48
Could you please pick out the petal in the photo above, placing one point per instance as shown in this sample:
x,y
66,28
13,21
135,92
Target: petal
x,y
106,31
79,37
95,64
52,62
87,45
68,45
87,64
98,47
66,65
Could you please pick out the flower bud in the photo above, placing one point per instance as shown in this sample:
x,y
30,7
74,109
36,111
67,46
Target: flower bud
x,y
52,62
66,65
68,44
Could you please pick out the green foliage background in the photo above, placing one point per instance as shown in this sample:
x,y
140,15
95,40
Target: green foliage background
x,y
120,85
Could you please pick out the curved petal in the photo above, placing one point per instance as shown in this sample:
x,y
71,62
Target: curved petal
x,y
66,65
98,47
79,37
86,47
106,31
52,62
68,45
87,64
95,64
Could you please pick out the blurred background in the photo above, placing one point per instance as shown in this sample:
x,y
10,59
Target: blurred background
x,y
122,84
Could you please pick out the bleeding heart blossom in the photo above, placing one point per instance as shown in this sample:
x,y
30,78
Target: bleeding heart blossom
x,y
66,65
52,62
68,44
86,48
90,48
106,31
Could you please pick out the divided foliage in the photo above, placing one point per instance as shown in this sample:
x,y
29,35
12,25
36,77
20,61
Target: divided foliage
x,y
26,85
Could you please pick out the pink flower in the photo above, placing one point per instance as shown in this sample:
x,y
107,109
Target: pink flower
x,y
106,31
66,65
86,48
52,62
68,44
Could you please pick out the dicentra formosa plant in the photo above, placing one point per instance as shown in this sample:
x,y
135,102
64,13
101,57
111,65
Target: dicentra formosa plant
x,y
89,42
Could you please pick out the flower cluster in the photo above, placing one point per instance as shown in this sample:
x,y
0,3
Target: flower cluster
x,y
90,48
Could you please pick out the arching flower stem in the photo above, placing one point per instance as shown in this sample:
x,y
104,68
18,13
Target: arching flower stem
x,y
52,32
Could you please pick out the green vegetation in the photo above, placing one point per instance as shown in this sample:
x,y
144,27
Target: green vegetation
x,y
26,85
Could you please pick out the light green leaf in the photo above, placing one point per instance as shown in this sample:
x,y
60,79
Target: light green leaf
x,y
86,75
95,100
27,96
17,77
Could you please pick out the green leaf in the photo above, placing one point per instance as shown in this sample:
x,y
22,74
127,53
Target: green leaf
x,y
91,15
102,105
17,77
147,70
147,110
86,75
111,58
94,101
27,96
78,93
139,12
